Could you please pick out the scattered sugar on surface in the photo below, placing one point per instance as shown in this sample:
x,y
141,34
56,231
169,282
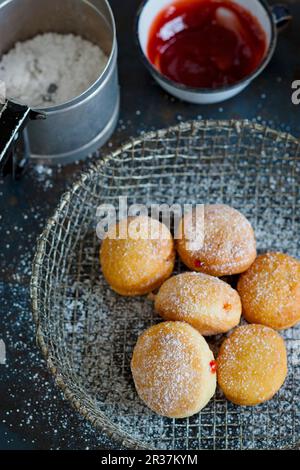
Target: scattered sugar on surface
x,y
145,251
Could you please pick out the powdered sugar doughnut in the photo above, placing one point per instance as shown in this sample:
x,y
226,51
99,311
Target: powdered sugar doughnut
x,y
173,369
252,365
141,260
205,302
229,243
270,291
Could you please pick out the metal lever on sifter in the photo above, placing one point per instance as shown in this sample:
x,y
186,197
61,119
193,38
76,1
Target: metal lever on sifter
x,y
13,120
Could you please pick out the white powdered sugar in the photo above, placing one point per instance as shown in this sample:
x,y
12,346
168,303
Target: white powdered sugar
x,y
51,69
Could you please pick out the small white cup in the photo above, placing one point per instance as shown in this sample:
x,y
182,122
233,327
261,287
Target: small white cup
x,y
272,19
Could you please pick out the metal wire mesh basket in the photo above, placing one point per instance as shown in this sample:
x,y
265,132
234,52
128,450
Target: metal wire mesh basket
x,y
87,332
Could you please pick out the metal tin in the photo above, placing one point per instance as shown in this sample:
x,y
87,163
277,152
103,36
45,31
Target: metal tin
x,y
78,127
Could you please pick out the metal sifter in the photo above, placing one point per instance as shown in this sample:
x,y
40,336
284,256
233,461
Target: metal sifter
x,y
74,129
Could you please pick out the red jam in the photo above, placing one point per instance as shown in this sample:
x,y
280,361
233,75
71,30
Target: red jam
x,y
198,263
206,43
213,366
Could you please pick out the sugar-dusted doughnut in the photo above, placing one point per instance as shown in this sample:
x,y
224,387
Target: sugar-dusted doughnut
x,y
140,259
270,291
205,302
229,245
173,369
252,365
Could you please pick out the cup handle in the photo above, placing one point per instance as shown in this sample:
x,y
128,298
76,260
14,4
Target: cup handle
x,y
282,16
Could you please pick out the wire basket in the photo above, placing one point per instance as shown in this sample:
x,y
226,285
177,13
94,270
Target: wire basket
x,y
87,332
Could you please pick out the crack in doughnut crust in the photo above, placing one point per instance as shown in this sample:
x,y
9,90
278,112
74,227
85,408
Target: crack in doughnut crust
x,y
137,264
270,291
252,365
172,369
205,302
229,242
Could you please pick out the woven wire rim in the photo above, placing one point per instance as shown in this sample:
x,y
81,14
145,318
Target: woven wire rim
x,y
102,422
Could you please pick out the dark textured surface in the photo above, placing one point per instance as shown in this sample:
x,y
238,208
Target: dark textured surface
x,y
32,411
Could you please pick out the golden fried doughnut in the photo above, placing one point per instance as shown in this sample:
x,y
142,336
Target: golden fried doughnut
x,y
205,302
270,291
141,260
252,365
173,369
229,243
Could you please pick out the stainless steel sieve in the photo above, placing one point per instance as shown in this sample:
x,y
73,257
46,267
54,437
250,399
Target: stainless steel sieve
x,y
78,127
